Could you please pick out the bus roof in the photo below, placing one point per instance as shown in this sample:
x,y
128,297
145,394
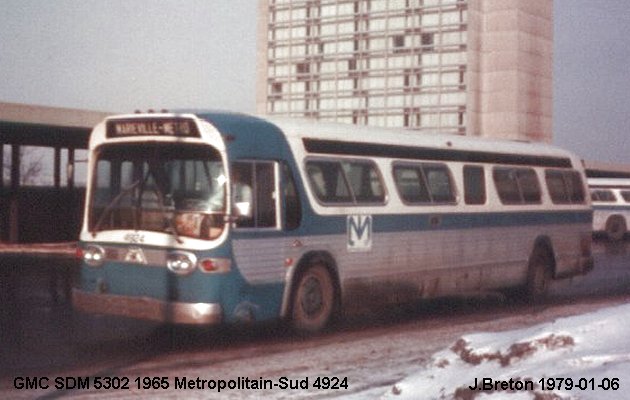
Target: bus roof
x,y
609,183
229,123
305,129
337,138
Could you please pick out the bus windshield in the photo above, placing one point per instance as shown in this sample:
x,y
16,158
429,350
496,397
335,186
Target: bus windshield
x,y
163,187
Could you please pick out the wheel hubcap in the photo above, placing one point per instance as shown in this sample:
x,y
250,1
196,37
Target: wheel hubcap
x,y
312,300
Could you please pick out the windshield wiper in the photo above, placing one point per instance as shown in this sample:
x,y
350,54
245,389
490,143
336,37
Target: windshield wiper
x,y
113,203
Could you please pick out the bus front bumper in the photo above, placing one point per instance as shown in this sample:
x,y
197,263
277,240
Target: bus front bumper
x,y
147,308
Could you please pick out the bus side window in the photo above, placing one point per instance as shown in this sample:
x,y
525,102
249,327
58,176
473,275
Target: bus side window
x,y
530,188
576,187
565,187
411,185
328,181
292,206
364,181
424,183
517,185
557,187
253,188
346,181
507,187
603,195
439,183
474,185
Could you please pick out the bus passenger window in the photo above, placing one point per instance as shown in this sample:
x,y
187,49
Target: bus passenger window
x,y
439,183
576,187
557,187
365,181
328,182
345,181
565,187
424,183
517,185
474,185
528,183
626,195
603,195
507,187
411,185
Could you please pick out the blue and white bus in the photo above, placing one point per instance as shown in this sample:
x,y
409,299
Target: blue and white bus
x,y
209,217
611,206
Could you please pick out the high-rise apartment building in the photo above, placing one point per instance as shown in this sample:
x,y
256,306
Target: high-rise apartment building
x,y
475,67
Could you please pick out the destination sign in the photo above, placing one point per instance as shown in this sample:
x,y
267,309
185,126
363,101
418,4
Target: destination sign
x,y
152,127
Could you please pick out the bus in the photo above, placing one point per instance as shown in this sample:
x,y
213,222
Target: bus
x,y
611,206
211,217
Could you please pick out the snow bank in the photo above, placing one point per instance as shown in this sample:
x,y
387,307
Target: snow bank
x,y
581,357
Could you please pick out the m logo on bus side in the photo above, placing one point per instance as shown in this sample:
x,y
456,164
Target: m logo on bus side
x,y
359,232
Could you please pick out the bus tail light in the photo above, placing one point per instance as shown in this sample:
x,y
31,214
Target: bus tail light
x,y
215,265
93,255
181,262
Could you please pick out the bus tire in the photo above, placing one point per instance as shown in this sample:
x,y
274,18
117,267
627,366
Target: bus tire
x,y
313,302
615,228
540,275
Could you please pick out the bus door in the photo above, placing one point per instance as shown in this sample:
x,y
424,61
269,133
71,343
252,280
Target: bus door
x,y
261,246
256,204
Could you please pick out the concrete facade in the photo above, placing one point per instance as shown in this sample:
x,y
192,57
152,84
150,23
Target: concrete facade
x,y
475,67
510,58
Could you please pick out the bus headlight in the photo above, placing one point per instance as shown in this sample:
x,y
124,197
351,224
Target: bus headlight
x,y
94,255
181,262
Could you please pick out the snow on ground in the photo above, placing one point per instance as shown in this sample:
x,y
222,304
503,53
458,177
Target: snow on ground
x,y
591,352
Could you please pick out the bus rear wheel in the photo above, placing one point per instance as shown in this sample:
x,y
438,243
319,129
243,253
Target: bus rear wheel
x,y
313,300
540,276
615,228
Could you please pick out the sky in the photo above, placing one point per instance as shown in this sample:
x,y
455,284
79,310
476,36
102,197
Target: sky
x,y
120,56
591,96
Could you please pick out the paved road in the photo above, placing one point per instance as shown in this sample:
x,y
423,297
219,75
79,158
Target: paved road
x,y
374,350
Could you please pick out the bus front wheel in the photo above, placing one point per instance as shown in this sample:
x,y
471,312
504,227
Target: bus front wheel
x,y
313,300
